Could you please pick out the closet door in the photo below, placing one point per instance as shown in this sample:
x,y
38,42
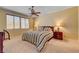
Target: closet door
x,y
1,41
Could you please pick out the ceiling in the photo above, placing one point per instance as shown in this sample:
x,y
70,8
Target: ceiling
x,y
42,9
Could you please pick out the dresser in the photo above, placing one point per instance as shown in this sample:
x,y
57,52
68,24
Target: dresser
x,y
2,34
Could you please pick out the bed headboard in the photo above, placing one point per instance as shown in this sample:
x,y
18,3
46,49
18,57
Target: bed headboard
x,y
46,28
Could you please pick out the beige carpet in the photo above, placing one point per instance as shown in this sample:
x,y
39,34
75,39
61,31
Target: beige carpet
x,y
53,46
16,45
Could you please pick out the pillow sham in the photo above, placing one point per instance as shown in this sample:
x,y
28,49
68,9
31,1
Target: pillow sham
x,y
45,28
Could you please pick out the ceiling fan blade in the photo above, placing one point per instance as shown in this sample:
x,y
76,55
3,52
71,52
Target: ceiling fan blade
x,y
29,8
37,12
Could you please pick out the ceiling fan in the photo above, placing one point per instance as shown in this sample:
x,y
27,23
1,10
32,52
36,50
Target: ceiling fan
x,y
33,11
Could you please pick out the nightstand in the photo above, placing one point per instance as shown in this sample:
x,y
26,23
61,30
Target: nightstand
x,y
58,35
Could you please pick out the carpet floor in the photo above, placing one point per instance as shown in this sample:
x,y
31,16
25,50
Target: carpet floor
x,y
16,45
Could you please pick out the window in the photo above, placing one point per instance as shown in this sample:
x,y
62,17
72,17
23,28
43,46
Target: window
x,y
9,22
16,22
24,23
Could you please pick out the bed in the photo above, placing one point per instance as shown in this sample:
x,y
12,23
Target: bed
x,y
39,37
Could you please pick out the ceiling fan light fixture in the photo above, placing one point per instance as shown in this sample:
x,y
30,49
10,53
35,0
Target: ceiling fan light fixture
x,y
33,13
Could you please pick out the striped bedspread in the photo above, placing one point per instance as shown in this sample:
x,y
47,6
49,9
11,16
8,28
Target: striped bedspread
x,y
38,38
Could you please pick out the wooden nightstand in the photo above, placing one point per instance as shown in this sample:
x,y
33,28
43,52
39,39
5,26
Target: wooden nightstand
x,y
58,35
